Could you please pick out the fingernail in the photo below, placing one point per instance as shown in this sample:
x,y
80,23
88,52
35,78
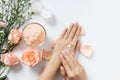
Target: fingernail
x,y
67,51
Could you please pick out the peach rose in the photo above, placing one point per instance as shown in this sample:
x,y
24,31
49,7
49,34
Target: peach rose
x,y
2,24
15,35
9,59
31,57
46,54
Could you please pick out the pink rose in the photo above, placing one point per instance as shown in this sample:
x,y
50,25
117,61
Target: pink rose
x,y
31,57
9,59
46,54
2,24
15,35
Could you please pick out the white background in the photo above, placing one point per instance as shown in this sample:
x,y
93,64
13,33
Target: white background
x,y
101,21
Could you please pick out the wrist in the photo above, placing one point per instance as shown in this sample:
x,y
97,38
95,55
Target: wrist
x,y
52,67
55,61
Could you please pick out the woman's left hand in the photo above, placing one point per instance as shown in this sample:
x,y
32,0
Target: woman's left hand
x,y
68,37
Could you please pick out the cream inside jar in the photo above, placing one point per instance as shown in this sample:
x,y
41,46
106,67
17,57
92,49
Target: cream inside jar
x,y
34,34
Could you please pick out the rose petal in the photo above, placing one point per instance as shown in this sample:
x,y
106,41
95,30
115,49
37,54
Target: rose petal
x,y
46,54
53,43
2,24
86,50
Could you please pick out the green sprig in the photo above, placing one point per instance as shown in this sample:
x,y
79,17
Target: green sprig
x,y
14,13
3,77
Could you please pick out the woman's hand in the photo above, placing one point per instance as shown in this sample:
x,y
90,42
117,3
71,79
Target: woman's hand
x,y
69,37
71,69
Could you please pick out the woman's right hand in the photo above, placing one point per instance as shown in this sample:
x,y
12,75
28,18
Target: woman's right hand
x,y
71,69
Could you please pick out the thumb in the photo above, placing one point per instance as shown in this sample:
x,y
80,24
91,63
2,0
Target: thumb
x,y
62,70
63,73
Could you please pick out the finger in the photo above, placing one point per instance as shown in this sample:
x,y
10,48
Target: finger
x,y
63,33
73,47
73,31
74,42
73,59
67,68
68,60
63,73
68,32
62,70
77,34
78,63
78,44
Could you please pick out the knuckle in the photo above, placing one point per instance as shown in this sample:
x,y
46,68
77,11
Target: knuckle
x,y
76,34
71,76
76,74
72,32
70,62
67,33
72,44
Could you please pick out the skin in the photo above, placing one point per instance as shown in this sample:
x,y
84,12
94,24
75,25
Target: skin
x,y
71,69
68,37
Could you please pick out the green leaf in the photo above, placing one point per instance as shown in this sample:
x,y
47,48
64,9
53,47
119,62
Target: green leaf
x,y
3,77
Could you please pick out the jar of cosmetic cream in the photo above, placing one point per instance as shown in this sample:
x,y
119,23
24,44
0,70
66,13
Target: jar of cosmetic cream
x,y
34,34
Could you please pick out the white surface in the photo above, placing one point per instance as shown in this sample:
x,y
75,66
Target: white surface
x,y
100,19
